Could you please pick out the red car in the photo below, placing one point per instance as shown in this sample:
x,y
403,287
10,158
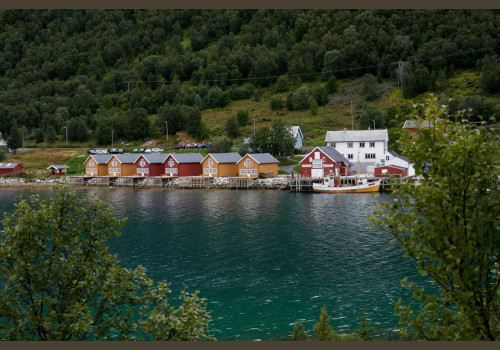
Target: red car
x,y
180,146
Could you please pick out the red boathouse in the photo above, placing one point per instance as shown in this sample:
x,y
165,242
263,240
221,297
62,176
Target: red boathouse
x,y
150,164
184,164
323,161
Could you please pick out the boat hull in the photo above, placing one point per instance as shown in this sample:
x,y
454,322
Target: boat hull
x,y
363,188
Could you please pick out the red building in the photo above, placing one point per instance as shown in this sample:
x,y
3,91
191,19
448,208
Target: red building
x,y
390,171
58,169
184,164
9,168
323,161
150,164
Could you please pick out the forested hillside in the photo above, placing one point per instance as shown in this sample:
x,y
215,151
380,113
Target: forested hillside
x,y
130,71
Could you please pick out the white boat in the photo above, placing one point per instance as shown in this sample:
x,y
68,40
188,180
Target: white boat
x,y
332,185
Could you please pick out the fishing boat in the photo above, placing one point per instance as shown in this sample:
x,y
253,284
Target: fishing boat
x,y
333,185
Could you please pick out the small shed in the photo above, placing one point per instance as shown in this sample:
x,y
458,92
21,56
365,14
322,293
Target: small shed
x,y
58,169
9,168
252,165
390,171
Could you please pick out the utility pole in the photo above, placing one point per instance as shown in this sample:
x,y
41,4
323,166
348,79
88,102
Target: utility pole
x,y
112,141
254,127
166,129
64,127
23,139
373,124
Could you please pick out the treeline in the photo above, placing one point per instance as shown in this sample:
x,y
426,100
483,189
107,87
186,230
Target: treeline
x,y
131,71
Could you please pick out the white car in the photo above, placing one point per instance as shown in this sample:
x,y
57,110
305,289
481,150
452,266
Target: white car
x,y
156,150
147,150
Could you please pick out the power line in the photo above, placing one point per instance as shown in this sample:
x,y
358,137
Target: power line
x,y
400,70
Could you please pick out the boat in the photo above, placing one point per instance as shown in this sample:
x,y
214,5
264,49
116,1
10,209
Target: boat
x,y
332,185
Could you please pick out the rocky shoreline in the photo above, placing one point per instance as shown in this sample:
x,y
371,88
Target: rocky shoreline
x,y
279,183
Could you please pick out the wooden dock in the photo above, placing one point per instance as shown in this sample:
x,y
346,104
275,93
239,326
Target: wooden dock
x,y
240,182
301,184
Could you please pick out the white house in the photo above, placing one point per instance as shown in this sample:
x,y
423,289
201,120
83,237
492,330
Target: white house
x,y
402,162
366,146
297,135
2,142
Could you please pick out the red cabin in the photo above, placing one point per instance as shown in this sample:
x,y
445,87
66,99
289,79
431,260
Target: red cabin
x,y
150,164
58,169
9,168
390,171
323,161
184,164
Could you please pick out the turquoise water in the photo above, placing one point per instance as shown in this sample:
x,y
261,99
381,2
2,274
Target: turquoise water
x,y
264,259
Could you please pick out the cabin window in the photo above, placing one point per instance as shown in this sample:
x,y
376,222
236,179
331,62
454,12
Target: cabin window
x,y
372,144
369,155
349,145
175,170
361,145
254,171
384,171
242,171
317,163
91,163
350,156
214,170
205,171
334,145
386,157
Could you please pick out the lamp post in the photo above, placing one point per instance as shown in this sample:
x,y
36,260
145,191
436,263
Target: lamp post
x,y
64,127
112,141
166,129
352,117
373,124
254,127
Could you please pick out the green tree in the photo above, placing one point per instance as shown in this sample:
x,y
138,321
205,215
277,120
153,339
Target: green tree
x,y
221,144
51,134
243,117
332,85
232,127
368,116
2,155
60,282
449,224
299,333
323,331
364,332
77,130
314,107
15,140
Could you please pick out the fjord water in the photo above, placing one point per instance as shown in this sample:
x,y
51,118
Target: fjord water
x,y
263,259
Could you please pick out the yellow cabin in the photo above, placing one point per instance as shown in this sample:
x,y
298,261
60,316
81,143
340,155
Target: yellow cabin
x,y
122,164
252,165
96,165
221,164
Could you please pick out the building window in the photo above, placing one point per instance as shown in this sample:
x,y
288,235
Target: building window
x,y
361,145
175,170
334,145
372,144
205,171
369,155
350,156
214,170
91,163
349,145
386,157
254,171
317,163
242,171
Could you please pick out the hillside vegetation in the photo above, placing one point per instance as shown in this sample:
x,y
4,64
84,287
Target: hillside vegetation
x,y
106,76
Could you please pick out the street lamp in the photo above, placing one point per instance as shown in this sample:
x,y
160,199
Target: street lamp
x,y
373,124
112,141
352,117
166,128
64,127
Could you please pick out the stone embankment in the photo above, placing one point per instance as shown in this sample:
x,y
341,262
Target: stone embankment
x,y
280,183
21,182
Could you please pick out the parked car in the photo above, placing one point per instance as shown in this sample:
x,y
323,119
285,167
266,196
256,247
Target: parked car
x,y
148,150
113,151
120,151
180,146
208,144
141,150
136,150
91,151
156,150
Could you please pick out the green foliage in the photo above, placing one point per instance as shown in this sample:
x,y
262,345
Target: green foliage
x,y
370,114
243,117
490,74
2,155
276,103
281,85
299,333
331,85
50,135
216,98
60,282
369,87
15,140
364,332
232,127
221,144
77,130
314,107
323,331
448,224
277,140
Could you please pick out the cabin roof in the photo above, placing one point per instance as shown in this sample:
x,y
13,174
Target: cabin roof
x,y
58,167
224,157
99,159
262,158
126,158
156,158
357,135
188,158
8,165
